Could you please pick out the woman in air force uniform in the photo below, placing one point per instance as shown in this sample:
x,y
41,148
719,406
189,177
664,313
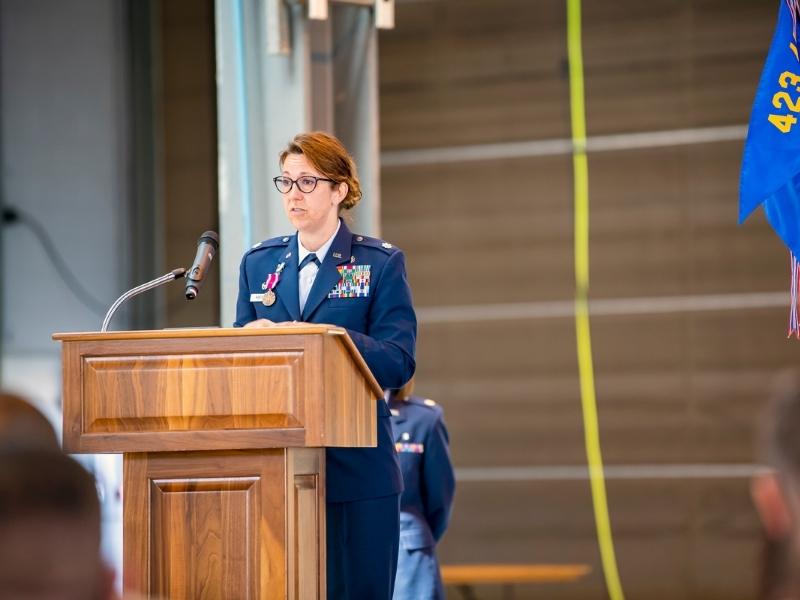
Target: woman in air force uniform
x,y
326,274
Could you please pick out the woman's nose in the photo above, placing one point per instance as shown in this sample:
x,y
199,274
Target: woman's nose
x,y
295,193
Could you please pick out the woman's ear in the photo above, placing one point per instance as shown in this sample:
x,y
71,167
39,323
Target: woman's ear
x,y
341,192
771,504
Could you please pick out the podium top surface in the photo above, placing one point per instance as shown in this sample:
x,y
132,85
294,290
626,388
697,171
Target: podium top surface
x,y
195,332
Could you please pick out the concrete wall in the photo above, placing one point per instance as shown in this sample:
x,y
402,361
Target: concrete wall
x,y
63,110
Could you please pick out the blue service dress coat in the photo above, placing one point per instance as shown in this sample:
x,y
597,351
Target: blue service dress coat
x,y
422,444
361,286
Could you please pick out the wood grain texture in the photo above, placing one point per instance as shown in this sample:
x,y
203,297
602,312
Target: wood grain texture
x,y
201,542
244,524
343,421
135,524
72,419
242,390
216,389
306,544
512,573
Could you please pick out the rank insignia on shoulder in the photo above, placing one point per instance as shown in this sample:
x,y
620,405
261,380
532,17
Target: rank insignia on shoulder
x,y
354,282
387,245
254,246
428,402
410,448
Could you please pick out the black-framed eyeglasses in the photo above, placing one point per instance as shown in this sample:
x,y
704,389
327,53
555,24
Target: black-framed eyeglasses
x,y
305,183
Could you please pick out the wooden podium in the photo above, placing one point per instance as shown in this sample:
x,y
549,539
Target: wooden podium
x,y
223,432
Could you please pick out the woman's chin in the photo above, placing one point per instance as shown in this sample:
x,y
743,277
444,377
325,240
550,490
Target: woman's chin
x,y
298,221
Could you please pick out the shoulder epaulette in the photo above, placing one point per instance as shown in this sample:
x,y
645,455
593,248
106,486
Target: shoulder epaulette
x,y
275,242
427,402
364,240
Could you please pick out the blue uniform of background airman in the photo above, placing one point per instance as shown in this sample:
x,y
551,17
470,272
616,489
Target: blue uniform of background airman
x,y
421,440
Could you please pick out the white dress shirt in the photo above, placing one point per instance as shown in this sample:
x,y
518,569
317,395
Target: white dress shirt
x,y
307,276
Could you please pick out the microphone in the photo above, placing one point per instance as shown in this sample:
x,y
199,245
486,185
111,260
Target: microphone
x,y
207,247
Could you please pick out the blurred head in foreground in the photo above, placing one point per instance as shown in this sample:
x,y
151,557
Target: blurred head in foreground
x,y
23,427
49,529
776,492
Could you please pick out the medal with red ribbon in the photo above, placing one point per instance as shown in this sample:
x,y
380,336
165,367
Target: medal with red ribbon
x,y
269,286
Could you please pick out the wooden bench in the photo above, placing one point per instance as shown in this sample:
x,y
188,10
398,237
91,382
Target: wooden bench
x,y
463,577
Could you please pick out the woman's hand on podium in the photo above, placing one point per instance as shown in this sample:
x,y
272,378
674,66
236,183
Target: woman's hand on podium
x,y
263,323
259,323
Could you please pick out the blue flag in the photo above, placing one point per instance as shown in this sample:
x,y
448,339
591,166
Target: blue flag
x,y
771,164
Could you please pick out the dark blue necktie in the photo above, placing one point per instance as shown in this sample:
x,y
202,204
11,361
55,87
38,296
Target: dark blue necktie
x,y
310,258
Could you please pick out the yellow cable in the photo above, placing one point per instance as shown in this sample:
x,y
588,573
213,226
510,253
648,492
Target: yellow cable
x,y
582,330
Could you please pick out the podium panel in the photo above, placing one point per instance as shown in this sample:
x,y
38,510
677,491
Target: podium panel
x,y
235,390
236,524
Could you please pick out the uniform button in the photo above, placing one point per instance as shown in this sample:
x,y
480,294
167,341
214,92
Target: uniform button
x,y
360,238
286,239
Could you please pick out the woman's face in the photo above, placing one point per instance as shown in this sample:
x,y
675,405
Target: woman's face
x,y
315,212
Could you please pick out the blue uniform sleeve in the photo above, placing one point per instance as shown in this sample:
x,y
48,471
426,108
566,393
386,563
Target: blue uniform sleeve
x,y
244,308
388,345
438,479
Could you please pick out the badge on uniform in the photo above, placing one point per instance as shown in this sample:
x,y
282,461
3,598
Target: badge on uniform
x,y
354,282
409,447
